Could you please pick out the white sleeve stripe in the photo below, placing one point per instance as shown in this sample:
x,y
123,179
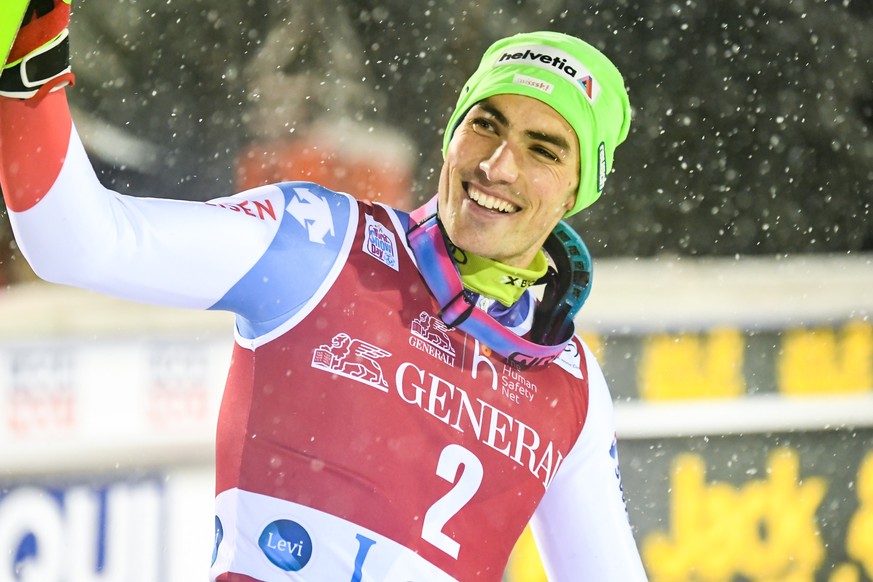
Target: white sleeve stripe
x,y
167,252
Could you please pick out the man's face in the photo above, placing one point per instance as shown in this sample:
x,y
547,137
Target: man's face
x,y
511,172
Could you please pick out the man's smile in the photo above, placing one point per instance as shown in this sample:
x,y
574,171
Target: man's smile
x,y
488,201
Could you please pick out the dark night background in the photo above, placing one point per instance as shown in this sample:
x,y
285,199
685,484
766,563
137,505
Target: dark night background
x,y
752,120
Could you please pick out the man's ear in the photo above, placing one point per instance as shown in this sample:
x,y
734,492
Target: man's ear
x,y
570,201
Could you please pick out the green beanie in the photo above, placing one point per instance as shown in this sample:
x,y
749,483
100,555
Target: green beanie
x,y
572,77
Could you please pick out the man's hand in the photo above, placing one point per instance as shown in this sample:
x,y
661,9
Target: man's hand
x,y
39,57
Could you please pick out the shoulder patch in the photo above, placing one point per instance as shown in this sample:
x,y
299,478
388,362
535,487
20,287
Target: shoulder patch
x,y
379,243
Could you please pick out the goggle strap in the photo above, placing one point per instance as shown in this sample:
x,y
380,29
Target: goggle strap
x,y
428,244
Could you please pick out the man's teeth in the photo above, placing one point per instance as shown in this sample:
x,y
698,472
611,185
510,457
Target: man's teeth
x,y
490,202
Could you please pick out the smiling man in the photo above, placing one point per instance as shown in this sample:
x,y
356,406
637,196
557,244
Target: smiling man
x,y
511,173
399,405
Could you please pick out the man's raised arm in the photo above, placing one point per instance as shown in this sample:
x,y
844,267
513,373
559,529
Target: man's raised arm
x,y
73,230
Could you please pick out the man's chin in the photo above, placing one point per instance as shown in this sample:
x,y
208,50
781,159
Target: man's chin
x,y
479,243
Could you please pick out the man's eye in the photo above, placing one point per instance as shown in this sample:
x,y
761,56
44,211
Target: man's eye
x,y
481,122
545,152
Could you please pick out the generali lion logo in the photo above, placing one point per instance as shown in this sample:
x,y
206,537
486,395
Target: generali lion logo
x,y
430,335
353,359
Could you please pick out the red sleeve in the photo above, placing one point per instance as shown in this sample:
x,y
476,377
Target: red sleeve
x,y
33,144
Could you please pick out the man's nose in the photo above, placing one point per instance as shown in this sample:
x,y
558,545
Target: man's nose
x,y
501,166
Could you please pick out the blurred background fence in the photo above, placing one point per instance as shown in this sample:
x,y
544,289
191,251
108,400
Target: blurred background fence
x,y
745,427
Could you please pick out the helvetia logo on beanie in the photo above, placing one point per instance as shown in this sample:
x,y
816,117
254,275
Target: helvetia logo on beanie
x,y
555,60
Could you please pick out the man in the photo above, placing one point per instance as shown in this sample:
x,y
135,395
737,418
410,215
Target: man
x,y
398,405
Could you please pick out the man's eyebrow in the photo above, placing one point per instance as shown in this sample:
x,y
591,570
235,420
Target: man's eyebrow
x,y
494,112
555,140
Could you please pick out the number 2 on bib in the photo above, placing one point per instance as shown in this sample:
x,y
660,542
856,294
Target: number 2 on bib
x,y
453,459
